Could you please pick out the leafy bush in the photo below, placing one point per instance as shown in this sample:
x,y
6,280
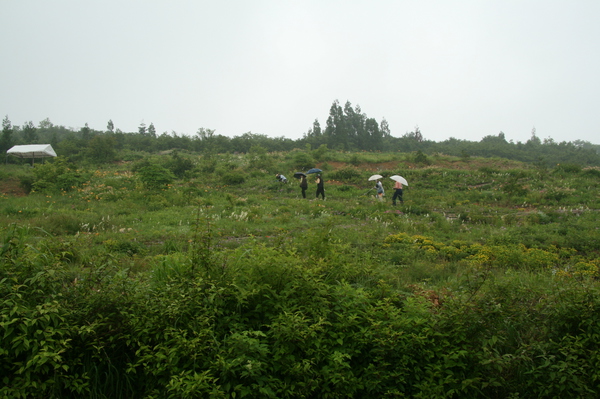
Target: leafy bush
x,y
57,175
321,154
421,158
233,178
179,165
567,168
155,176
347,174
128,247
595,172
303,161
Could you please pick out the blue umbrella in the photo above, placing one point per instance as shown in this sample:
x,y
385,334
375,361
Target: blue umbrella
x,y
314,170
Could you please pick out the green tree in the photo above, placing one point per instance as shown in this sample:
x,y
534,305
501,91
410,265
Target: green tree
x,y
335,129
86,132
110,126
418,134
152,130
384,126
101,149
30,133
155,176
142,129
6,140
316,129
46,124
349,128
179,165
207,140
373,136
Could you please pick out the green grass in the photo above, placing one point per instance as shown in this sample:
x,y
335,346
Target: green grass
x,y
479,285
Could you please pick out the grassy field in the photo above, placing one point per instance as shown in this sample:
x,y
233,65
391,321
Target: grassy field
x,y
184,276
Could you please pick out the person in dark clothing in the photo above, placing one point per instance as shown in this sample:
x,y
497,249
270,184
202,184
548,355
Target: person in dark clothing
x,y
320,188
397,193
303,185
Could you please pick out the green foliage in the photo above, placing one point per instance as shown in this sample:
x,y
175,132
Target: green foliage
x,y
346,174
595,172
233,178
60,223
483,284
321,153
128,247
56,176
101,149
179,165
155,177
421,158
259,158
303,161
567,168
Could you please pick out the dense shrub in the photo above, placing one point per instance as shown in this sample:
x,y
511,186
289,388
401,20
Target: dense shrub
x,y
56,176
303,161
345,174
233,178
567,168
155,176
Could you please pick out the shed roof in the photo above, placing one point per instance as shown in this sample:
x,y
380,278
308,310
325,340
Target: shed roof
x,y
32,151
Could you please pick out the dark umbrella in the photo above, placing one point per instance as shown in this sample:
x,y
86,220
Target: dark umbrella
x,y
298,175
314,170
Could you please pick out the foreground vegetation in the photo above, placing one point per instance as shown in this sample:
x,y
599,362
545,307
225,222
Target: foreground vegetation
x,y
185,276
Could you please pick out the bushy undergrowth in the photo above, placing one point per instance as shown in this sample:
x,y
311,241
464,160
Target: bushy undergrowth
x,y
223,282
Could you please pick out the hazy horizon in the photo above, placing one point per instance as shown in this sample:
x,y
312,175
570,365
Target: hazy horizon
x,y
464,69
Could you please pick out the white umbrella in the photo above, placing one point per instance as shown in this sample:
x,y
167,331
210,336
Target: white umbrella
x,y
375,177
400,179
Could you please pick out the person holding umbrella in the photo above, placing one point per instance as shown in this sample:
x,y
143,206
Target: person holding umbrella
x,y
397,193
303,184
320,188
380,190
378,186
398,188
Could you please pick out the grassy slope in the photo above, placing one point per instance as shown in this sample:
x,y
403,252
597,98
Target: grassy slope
x,y
487,266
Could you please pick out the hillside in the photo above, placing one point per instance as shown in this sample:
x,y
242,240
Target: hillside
x,y
180,275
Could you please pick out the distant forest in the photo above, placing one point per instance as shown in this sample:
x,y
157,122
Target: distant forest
x,y
347,129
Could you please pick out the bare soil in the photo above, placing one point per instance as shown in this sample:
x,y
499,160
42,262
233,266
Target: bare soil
x,y
12,187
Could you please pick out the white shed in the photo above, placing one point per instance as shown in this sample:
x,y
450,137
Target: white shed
x,y
32,151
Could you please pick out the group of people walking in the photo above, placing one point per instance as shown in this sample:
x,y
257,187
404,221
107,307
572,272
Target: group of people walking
x,y
397,191
304,184
321,188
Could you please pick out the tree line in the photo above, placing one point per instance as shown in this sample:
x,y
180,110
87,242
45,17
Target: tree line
x,y
347,129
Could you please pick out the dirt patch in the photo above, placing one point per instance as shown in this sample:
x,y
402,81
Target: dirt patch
x,y
12,187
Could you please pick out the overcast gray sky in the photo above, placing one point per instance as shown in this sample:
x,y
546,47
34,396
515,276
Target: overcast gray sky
x,y
464,69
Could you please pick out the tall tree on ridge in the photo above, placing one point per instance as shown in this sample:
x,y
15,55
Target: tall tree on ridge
x,y
110,126
6,140
152,130
30,133
335,130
